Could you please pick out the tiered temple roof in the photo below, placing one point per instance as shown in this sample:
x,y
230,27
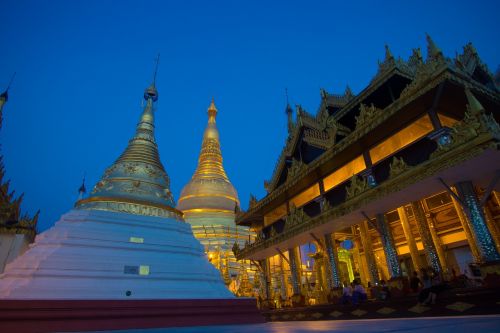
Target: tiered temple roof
x,y
345,126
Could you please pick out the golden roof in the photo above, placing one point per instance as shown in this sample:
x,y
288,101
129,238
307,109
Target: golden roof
x,y
209,190
137,182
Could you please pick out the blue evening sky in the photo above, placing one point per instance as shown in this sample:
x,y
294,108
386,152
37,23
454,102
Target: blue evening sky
x,y
82,67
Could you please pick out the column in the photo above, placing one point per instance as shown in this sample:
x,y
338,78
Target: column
x,y
430,249
496,196
294,270
264,264
333,263
477,221
368,250
465,225
492,226
284,289
391,255
412,245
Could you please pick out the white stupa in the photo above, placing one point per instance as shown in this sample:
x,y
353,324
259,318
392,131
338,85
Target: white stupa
x,y
125,241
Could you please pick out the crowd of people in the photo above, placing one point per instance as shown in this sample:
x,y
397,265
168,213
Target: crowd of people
x,y
426,286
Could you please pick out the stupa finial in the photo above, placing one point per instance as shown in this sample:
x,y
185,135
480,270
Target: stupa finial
x,y
212,110
82,189
151,92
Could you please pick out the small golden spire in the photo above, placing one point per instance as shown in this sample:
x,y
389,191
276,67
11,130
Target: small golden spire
x,y
209,189
212,110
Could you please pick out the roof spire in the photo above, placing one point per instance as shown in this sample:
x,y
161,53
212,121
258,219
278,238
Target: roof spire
x,y
156,68
82,190
388,54
289,111
433,52
473,105
212,111
151,91
5,95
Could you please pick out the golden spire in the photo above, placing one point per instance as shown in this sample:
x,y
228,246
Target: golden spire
x,y
210,159
137,182
209,189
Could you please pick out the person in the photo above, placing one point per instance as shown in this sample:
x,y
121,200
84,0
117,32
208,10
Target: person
x,y
424,294
346,293
384,294
359,292
415,282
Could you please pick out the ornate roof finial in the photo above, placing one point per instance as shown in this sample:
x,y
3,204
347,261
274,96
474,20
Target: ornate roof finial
x,y
433,52
82,190
151,91
388,54
212,111
5,94
473,105
348,91
289,112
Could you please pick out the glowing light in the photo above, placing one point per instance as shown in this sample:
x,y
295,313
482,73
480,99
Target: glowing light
x,y
401,139
345,172
139,240
143,270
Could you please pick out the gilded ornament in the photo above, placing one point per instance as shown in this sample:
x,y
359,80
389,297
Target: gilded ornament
x,y
252,202
295,217
366,115
296,169
397,167
358,186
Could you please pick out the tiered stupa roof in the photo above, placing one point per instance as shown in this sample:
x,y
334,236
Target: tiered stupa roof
x,y
137,182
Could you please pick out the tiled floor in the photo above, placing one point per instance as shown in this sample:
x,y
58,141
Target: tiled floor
x,y
479,324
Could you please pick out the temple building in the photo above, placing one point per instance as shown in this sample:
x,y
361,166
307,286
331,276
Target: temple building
x,y
400,177
209,203
17,230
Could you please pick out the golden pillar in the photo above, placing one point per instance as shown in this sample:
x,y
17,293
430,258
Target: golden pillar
x,y
368,250
266,278
465,225
490,222
360,260
496,197
412,245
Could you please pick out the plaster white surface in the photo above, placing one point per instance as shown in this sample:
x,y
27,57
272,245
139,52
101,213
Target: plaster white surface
x,y
83,256
11,246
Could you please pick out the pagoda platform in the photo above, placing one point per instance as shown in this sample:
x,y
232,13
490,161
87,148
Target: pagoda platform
x,y
39,316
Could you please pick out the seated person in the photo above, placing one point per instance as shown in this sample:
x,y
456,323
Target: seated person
x,y
359,292
415,283
384,293
346,293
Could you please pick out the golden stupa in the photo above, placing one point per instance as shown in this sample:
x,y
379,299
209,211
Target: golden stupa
x,y
209,194
209,203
